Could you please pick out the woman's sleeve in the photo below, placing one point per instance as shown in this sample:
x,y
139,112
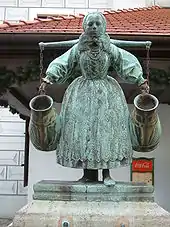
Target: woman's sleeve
x,y
59,69
126,65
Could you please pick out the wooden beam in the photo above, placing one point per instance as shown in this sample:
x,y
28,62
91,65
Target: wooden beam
x,y
19,97
26,156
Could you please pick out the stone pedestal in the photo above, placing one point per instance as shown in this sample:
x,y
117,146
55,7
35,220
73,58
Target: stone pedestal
x,y
72,204
76,191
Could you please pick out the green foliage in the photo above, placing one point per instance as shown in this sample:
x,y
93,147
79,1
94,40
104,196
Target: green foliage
x,y
158,77
20,76
31,73
7,78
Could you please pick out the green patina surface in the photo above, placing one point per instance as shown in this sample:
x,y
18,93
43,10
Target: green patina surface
x,y
94,129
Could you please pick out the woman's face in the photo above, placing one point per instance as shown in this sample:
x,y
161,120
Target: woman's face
x,y
94,26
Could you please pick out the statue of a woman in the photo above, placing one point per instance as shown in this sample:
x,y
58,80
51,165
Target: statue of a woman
x,y
94,119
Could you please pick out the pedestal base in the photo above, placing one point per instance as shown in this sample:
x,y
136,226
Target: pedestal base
x,y
91,214
74,204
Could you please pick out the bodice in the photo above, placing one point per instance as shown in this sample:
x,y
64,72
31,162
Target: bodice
x,y
94,64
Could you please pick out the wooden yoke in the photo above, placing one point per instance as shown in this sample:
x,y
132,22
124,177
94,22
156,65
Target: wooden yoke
x,y
119,43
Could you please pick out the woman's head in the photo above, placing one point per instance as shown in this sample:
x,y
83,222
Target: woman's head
x,y
94,24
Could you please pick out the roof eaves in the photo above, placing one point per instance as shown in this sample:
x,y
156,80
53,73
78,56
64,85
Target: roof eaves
x,y
133,9
6,24
139,33
22,29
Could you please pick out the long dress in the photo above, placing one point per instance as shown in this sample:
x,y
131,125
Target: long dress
x,y
94,117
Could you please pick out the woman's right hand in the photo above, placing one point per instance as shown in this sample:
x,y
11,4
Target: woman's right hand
x,y
43,85
46,81
42,88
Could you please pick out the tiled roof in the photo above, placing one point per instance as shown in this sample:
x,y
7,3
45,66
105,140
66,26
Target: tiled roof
x,y
151,20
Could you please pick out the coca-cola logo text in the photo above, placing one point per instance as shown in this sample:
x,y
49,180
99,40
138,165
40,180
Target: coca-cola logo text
x,y
142,165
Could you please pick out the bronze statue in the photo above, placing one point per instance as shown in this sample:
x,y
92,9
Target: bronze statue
x,y
94,129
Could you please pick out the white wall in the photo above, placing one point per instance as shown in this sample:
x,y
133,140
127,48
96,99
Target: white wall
x,y
12,193
14,10
122,4
43,165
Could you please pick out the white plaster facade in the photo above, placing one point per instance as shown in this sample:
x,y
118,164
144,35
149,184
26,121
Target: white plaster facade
x,y
12,193
15,10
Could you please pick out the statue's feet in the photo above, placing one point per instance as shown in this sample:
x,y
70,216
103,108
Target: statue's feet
x,y
85,180
90,175
108,181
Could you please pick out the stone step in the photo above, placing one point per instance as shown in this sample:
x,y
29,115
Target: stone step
x,y
76,191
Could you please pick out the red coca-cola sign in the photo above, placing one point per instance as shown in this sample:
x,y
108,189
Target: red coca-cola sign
x,y
142,165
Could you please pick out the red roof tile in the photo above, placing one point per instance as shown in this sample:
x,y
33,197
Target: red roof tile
x,y
152,20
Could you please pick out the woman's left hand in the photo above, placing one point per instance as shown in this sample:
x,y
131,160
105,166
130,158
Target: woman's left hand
x,y
144,88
